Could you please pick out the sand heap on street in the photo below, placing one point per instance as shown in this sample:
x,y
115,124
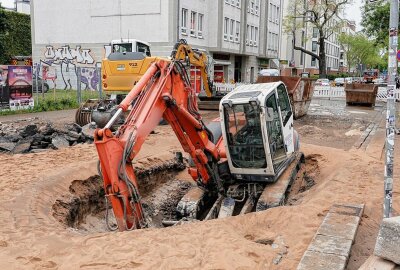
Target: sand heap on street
x,y
31,238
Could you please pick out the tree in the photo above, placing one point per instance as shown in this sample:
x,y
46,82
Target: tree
x,y
375,22
322,15
360,50
2,33
15,35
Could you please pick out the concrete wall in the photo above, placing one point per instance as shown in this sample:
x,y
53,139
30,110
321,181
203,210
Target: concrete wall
x,y
99,21
71,34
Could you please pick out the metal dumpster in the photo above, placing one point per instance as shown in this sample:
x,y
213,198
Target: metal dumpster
x,y
300,91
361,94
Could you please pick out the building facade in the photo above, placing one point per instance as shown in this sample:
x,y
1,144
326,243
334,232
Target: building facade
x,y
242,36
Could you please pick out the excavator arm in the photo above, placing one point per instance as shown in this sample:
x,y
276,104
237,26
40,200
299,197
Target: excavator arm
x,y
194,57
163,92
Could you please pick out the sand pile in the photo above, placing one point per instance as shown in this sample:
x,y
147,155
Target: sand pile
x,y
32,238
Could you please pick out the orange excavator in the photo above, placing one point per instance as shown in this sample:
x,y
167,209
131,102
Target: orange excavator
x,y
234,161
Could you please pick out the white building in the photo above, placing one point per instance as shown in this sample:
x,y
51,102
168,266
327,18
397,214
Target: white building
x,y
238,34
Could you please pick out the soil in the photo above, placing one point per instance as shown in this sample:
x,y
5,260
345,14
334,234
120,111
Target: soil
x,y
34,186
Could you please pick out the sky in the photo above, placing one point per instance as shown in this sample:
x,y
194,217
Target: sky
x,y
353,11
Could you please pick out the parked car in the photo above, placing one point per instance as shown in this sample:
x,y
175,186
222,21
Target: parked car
x,y
40,89
357,79
348,80
322,82
339,81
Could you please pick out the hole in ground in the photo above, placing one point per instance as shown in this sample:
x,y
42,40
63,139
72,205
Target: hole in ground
x,y
305,180
84,208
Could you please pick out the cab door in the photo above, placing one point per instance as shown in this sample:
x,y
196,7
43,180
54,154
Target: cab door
x,y
286,113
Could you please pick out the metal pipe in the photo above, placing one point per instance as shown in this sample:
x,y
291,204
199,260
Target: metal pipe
x,y
170,222
115,116
391,108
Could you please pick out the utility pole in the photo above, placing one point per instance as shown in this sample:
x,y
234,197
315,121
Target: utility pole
x,y
391,109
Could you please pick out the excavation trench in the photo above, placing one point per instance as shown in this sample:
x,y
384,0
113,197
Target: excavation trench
x,y
83,209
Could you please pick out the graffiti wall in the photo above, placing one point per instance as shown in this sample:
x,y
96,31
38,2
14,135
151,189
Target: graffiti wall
x,y
58,66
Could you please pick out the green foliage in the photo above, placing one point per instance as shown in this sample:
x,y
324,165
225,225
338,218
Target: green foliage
x,y
360,50
15,35
54,101
375,21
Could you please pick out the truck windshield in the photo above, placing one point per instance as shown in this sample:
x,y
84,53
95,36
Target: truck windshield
x,y
244,137
122,47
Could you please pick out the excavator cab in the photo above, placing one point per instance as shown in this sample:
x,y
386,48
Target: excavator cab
x,y
257,128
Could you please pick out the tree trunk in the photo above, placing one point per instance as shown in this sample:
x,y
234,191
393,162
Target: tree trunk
x,y
322,57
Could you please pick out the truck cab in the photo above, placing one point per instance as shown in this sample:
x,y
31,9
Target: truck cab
x,y
130,45
258,133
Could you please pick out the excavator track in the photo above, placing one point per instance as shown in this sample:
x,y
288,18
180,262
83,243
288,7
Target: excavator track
x,y
242,198
274,194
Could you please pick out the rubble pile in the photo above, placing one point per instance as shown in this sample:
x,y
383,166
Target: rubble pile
x,y
33,136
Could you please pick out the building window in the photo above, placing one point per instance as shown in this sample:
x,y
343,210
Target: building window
x,y
247,34
273,41
184,21
256,7
251,35
315,32
314,46
277,15
200,26
255,35
231,30
250,7
313,61
193,23
226,25
269,40
237,35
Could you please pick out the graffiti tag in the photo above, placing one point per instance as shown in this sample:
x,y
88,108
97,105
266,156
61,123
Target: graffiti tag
x,y
77,55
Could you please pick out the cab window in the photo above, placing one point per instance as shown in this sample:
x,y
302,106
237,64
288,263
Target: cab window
x,y
143,48
284,104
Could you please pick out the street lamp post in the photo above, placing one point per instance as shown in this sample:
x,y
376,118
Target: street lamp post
x,y
391,109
